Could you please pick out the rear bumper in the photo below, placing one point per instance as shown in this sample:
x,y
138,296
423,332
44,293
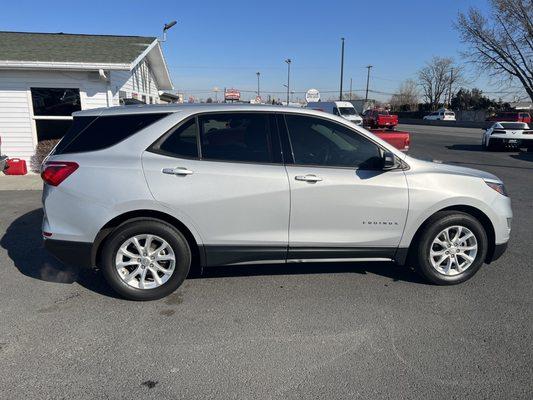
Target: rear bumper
x,y
71,253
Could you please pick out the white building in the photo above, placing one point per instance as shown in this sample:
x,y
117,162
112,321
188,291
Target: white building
x,y
45,77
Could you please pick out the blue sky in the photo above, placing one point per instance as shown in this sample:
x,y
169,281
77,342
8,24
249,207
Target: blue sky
x,y
224,43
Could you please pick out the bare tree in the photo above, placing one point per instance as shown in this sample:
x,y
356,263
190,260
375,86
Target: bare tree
x,y
439,79
503,45
407,97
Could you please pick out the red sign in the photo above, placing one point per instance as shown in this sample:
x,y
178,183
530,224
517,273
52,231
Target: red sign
x,y
232,94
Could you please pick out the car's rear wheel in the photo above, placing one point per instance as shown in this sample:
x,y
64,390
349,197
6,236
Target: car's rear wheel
x,y
451,249
146,259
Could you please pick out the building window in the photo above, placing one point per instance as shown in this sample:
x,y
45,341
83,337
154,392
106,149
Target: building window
x,y
52,110
55,102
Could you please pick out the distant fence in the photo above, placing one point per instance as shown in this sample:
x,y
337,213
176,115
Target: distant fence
x,y
458,124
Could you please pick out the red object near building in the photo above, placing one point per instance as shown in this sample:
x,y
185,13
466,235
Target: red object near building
x,y
399,139
379,119
16,166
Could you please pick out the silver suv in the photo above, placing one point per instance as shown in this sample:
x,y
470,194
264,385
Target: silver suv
x,y
144,192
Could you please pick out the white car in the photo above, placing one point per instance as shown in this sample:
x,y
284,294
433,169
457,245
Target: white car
x,y
145,192
441,115
507,134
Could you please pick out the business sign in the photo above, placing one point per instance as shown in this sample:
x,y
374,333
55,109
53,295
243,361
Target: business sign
x,y
312,95
232,94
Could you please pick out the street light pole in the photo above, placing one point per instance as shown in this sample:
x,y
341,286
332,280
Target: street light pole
x,y
367,81
288,61
258,75
342,67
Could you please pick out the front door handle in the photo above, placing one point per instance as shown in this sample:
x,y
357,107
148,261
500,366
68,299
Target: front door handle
x,y
177,171
308,178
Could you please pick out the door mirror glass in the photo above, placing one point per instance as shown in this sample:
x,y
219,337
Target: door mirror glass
x,y
389,161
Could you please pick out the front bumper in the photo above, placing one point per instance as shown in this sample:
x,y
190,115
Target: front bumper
x,y
77,254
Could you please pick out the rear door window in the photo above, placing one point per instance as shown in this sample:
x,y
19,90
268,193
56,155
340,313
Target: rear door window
x,y
180,141
244,137
97,133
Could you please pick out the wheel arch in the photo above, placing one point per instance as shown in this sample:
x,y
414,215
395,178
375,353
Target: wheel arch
x,y
470,210
130,216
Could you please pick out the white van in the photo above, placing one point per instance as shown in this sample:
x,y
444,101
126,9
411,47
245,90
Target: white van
x,y
343,109
441,115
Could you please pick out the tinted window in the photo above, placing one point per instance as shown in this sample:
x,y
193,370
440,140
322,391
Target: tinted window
x,y
97,133
236,137
347,111
55,101
180,141
319,142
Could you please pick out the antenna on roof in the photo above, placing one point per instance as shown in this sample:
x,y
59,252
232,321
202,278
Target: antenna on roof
x,y
166,28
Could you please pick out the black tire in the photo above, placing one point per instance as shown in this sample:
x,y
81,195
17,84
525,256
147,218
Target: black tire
x,y
493,146
437,223
171,235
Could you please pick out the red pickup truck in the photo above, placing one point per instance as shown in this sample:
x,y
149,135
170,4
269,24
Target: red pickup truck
x,y
399,139
378,118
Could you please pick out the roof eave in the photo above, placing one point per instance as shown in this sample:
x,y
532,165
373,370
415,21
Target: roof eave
x,y
154,54
77,66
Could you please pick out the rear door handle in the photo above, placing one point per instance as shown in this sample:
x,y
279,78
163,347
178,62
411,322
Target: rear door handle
x,y
308,178
177,171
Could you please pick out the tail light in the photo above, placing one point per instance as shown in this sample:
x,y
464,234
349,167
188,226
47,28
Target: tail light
x,y
55,172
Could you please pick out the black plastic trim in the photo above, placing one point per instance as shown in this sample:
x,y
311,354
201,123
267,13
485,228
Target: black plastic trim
x,y
499,249
71,253
340,252
225,255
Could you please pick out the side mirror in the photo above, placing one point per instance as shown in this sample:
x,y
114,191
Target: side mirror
x,y
389,161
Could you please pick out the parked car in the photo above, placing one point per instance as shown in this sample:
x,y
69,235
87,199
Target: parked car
x,y
3,159
513,116
343,109
441,115
146,192
378,118
507,134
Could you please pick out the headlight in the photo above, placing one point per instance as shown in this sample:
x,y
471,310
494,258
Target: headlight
x,y
498,186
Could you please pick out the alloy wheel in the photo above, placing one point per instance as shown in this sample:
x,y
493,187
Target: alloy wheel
x,y
453,250
145,261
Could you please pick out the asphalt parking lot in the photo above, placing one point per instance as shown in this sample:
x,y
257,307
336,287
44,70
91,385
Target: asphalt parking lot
x,y
324,331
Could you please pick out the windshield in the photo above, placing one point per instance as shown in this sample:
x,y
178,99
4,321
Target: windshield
x,y
383,112
514,125
347,111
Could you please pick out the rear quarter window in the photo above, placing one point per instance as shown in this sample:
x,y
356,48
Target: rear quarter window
x,y
97,133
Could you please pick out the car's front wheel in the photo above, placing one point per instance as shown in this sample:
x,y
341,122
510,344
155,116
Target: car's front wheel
x,y
451,248
146,259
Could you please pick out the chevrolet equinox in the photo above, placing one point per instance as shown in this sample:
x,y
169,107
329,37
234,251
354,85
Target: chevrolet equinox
x,y
144,192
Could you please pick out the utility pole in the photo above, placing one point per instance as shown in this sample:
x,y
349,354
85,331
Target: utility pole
x,y
367,81
342,66
350,89
258,92
288,61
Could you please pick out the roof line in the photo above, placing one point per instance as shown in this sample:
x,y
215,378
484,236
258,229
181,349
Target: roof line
x,y
79,34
